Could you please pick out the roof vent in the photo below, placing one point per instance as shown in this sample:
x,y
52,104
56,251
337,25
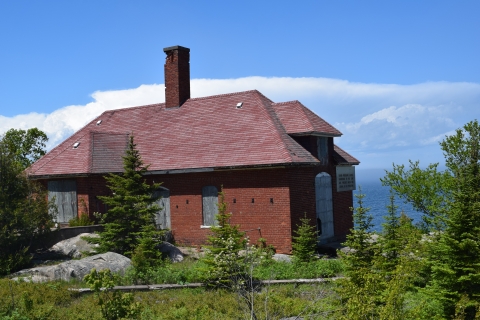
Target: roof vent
x,y
239,105
75,145
98,122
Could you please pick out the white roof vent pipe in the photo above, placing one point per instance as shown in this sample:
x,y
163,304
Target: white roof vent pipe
x,y
239,105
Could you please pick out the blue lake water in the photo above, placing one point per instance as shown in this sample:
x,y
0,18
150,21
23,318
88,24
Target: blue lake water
x,y
377,198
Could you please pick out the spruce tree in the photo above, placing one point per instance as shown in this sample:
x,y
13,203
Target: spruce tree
x,y
360,290
131,207
390,241
305,241
456,256
225,265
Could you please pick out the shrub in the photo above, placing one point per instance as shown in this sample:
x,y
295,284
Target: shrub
x,y
24,212
83,220
114,305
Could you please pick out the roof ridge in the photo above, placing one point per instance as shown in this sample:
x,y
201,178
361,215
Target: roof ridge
x,y
225,95
161,104
287,102
288,143
130,108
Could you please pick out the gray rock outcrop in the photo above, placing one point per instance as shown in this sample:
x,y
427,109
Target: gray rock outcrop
x,y
76,269
69,248
174,253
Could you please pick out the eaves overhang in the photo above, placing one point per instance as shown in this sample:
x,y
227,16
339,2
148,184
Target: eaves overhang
x,y
180,171
316,134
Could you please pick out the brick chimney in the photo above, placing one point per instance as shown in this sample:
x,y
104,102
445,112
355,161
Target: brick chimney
x,y
177,76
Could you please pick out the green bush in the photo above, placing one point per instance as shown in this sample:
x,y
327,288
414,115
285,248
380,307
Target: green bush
x,y
279,270
113,304
83,220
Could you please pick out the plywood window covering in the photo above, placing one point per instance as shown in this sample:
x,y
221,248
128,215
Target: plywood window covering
x,y
162,217
65,194
210,205
322,150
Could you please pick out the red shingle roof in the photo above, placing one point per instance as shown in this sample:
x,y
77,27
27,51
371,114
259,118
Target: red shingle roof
x,y
342,157
298,119
209,132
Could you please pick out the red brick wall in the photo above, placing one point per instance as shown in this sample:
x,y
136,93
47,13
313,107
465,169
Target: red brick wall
x,y
275,192
302,199
273,219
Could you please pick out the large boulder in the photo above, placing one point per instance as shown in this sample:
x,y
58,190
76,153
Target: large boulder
x,y
76,269
174,253
69,248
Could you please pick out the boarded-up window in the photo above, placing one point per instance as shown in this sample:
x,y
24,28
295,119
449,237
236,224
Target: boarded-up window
x,y
107,151
322,150
162,217
324,205
210,205
65,194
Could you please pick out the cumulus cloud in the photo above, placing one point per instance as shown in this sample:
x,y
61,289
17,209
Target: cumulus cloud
x,y
375,118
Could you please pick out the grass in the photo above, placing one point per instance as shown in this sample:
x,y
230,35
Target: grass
x,y
190,271
24,300
55,301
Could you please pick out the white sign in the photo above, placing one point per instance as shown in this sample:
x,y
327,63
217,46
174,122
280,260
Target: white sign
x,y
345,178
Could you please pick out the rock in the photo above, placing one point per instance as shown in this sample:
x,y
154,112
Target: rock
x,y
71,248
193,253
173,252
76,269
282,257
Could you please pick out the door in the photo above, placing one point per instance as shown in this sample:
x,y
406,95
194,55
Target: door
x,y
65,194
162,217
324,205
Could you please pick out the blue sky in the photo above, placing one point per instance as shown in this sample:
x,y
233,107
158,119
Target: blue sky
x,y
394,77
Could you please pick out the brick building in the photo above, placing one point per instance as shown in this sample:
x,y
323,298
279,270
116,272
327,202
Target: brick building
x,y
276,161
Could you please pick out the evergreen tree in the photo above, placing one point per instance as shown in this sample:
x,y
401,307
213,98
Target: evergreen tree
x,y
381,273
224,263
360,238
305,242
360,290
390,241
456,256
131,207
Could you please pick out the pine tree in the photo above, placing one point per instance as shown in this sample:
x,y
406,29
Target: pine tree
x,y
131,207
305,242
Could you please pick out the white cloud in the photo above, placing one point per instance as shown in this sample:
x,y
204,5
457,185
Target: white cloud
x,y
371,116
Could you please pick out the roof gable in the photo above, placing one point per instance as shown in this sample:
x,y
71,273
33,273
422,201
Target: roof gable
x,y
299,120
